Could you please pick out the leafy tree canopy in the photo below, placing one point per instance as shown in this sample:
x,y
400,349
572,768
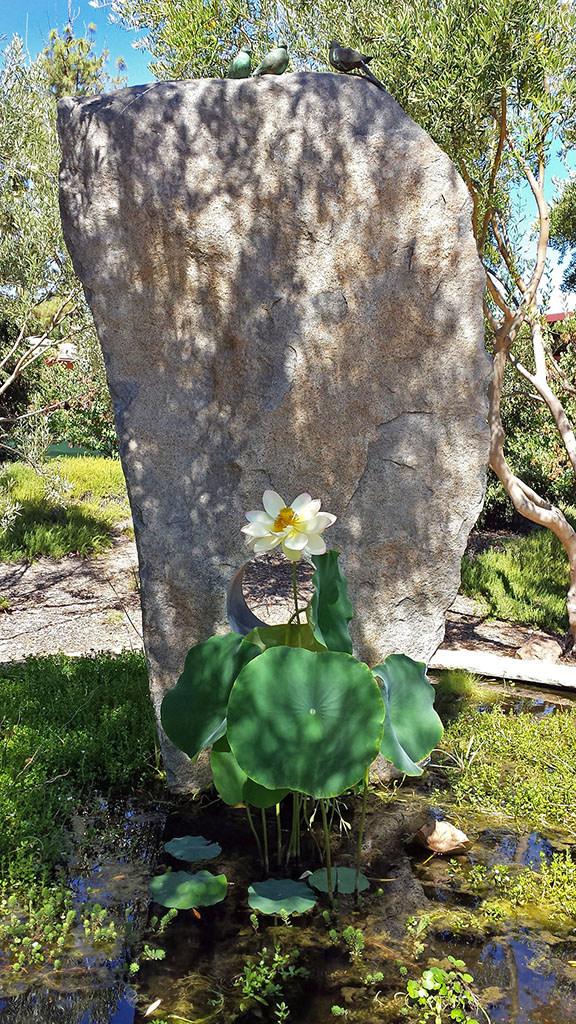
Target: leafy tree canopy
x,y
563,232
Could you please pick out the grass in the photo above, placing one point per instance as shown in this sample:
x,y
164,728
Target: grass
x,y
69,728
522,767
72,506
526,581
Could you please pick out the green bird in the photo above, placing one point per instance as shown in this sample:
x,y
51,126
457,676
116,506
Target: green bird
x,y
274,63
240,65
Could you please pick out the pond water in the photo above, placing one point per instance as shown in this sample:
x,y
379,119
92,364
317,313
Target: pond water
x,y
524,970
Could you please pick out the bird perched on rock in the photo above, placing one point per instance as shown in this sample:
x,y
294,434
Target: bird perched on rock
x,y
241,63
343,58
274,63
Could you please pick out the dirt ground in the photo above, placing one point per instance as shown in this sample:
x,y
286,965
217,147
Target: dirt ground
x,y
78,605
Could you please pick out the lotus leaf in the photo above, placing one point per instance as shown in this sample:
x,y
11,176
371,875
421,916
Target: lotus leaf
x,y
192,848
343,881
330,609
233,785
182,890
287,635
193,712
280,896
305,721
240,616
412,727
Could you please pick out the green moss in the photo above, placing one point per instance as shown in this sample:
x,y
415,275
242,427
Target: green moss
x,y
70,727
521,766
73,505
525,581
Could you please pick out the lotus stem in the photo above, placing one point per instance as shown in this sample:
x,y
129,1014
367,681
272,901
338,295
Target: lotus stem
x,y
359,840
254,833
298,820
327,852
295,591
309,827
265,838
295,815
279,833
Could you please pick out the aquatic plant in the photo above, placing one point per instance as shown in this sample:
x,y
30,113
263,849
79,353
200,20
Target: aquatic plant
x,y
548,892
36,924
443,994
280,896
183,891
288,709
192,848
523,768
263,981
353,940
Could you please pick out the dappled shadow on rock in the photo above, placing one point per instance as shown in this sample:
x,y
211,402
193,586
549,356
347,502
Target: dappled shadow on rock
x,y
286,288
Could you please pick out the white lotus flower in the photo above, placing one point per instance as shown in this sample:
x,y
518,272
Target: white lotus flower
x,y
297,527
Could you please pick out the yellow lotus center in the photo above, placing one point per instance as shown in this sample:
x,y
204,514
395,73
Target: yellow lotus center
x,y
286,517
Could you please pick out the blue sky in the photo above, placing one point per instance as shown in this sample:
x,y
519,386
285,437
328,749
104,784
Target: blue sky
x,y
32,19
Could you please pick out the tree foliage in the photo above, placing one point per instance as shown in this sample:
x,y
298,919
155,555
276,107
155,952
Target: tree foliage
x,y
40,296
563,232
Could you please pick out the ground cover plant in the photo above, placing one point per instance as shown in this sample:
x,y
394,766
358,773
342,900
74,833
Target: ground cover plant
x,y
519,766
523,580
64,506
70,727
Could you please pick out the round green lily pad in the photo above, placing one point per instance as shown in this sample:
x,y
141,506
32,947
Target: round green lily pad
x,y
280,896
182,890
192,848
305,721
343,881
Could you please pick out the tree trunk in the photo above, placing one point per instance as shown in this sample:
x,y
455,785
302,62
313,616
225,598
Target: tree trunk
x,y
525,500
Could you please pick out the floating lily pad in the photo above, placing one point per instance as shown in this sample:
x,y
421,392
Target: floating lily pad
x,y
343,881
192,848
412,727
303,721
193,712
233,785
182,890
280,896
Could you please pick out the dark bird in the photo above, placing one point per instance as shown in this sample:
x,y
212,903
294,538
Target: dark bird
x,y
274,63
343,58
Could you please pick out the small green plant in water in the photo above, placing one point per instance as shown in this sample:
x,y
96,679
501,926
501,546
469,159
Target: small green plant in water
x,y
264,980
35,926
98,926
417,928
550,891
352,939
441,995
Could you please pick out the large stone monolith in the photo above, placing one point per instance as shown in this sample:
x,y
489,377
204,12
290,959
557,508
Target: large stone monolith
x,y
286,288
